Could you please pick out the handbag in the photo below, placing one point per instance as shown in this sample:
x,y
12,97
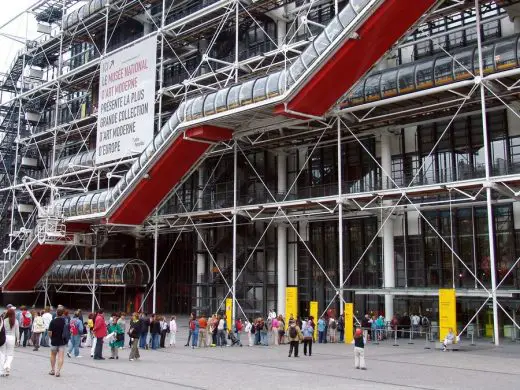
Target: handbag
x,y
120,337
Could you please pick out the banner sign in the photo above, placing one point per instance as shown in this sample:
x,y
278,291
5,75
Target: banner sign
x,y
229,312
126,101
447,312
349,322
313,312
291,304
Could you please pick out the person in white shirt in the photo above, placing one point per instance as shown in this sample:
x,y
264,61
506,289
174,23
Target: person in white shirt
x,y
272,314
173,331
415,319
221,332
247,329
47,318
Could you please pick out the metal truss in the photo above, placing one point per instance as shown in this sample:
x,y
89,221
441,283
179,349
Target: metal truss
x,y
30,136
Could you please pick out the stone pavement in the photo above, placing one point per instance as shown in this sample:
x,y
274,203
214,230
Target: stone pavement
x,y
331,366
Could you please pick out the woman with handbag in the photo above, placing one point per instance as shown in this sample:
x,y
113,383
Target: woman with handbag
x,y
119,337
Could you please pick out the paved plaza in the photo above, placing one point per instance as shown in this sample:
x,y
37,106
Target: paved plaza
x,y
331,366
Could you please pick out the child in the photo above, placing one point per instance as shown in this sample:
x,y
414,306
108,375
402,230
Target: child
x,y
359,349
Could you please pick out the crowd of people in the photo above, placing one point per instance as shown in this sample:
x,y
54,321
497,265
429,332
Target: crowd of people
x,y
65,333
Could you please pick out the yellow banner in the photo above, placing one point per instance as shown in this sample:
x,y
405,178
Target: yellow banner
x,y
291,304
447,312
313,312
349,322
229,312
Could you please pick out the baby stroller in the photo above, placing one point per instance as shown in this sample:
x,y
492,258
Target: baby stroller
x,y
233,338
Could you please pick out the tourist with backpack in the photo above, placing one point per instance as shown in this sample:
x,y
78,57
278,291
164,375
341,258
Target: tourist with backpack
x,y
308,335
76,331
9,328
295,336
38,328
25,325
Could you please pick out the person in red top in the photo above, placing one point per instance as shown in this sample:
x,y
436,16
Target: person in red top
x,y
203,324
100,331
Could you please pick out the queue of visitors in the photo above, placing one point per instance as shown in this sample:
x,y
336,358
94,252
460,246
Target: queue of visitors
x,y
66,333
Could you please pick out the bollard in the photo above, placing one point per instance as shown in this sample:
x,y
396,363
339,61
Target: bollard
x,y
426,345
395,339
411,333
472,342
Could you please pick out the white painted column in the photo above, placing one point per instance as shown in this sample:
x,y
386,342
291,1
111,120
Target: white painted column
x,y
281,230
201,257
388,228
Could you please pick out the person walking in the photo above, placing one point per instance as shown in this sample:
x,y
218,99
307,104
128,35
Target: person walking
x,y
359,349
12,336
173,331
118,339
100,331
59,340
76,330
38,328
295,336
133,332
308,335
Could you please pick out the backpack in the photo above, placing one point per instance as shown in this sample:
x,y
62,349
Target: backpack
x,y
192,325
66,331
73,328
2,332
333,324
292,332
425,321
253,328
26,320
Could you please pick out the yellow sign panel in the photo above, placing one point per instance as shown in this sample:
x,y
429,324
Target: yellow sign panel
x,y
313,312
349,322
291,304
447,312
229,312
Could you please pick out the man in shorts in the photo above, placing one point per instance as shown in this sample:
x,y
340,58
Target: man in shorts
x,y
58,342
